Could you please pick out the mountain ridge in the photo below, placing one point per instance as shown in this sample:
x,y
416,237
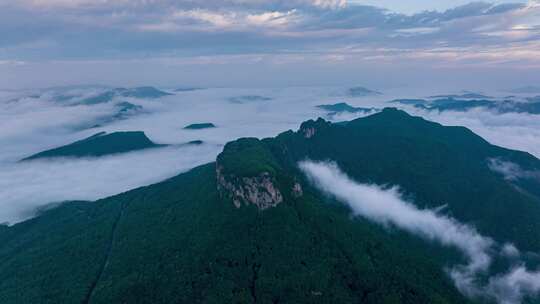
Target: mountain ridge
x,y
99,144
201,238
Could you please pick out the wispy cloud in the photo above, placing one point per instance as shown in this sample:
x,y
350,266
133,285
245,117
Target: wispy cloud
x,y
512,171
387,207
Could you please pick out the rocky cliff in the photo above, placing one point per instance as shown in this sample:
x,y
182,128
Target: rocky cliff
x,y
248,174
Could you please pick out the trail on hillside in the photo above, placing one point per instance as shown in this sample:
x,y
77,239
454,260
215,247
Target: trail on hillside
x,y
105,263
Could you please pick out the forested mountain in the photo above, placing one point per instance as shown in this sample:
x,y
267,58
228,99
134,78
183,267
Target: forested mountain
x,y
252,228
100,144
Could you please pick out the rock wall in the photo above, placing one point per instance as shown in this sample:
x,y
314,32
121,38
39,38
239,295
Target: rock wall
x,y
259,190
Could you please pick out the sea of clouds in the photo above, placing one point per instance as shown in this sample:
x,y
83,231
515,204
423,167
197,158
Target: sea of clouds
x,y
35,120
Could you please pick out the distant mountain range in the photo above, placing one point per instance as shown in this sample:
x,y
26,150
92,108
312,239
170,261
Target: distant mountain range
x,y
98,95
200,126
342,107
249,99
252,228
361,92
441,103
526,90
138,92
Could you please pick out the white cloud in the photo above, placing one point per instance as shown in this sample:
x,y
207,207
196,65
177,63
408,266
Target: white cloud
x,y
271,18
513,286
512,171
387,207
31,125
518,131
29,185
214,18
329,3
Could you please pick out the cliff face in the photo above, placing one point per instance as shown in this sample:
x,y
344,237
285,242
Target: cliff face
x,y
260,190
310,128
248,174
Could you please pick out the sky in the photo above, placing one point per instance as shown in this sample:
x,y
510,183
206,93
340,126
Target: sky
x,y
269,43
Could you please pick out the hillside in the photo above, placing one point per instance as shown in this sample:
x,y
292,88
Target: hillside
x,y
200,126
250,227
100,144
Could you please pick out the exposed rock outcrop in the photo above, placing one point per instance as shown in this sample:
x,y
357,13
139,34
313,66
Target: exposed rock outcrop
x,y
310,128
308,132
297,190
259,190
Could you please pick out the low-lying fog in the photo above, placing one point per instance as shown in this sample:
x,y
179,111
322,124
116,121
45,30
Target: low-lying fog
x,y
31,122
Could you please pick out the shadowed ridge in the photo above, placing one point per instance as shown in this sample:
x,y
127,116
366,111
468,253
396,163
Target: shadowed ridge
x,y
100,144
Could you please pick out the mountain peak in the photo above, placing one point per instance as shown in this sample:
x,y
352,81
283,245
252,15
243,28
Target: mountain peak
x,y
395,112
248,173
309,128
100,144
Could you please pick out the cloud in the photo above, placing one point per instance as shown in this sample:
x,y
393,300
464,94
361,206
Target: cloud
x,y
105,19
36,120
515,285
31,121
387,207
512,171
519,131
30,185
213,18
41,33
206,20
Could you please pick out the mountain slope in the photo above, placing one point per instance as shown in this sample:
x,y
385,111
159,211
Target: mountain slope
x,y
138,92
434,165
100,144
250,228
178,241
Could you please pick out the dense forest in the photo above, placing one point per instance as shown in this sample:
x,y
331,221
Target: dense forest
x,y
184,240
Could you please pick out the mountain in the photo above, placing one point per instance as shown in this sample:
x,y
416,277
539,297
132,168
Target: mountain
x,y
452,103
249,99
142,92
199,126
343,107
361,92
122,111
526,90
137,92
188,89
100,144
126,110
251,227
463,95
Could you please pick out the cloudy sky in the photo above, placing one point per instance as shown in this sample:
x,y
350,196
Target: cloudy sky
x,y
386,43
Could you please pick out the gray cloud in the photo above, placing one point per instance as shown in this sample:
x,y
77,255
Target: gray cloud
x,y
131,28
99,39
